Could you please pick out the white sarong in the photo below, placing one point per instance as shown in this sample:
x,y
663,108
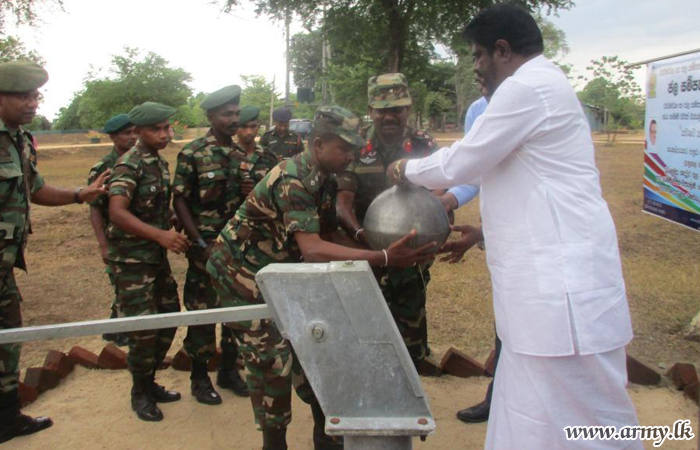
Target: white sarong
x,y
535,397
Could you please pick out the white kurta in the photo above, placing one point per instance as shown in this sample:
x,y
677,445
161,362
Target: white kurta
x,y
551,245
559,297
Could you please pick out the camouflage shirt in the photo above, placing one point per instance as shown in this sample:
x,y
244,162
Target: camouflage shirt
x,y
144,179
294,196
284,147
102,202
19,179
208,176
366,176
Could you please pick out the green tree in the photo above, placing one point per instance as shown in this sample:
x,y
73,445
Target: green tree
x,y
24,11
396,24
133,80
12,49
38,123
614,90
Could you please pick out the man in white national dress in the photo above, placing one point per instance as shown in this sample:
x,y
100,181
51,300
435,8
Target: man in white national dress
x,y
559,297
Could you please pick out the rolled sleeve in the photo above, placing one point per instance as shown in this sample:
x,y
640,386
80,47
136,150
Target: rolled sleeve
x,y
298,207
123,182
185,175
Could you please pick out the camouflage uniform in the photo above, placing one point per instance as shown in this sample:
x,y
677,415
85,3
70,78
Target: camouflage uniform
x,y
208,176
142,275
19,179
284,147
294,196
403,289
102,203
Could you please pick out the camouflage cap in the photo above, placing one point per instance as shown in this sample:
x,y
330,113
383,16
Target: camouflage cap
x,y
22,76
117,123
228,94
388,91
339,121
150,113
247,114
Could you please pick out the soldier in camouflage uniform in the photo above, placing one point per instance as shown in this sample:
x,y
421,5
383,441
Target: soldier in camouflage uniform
x,y
123,134
139,235
21,185
388,139
212,178
283,219
280,140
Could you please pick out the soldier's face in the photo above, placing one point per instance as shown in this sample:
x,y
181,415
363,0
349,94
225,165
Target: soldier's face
x,y
224,119
248,132
334,155
155,137
281,128
389,122
124,139
19,108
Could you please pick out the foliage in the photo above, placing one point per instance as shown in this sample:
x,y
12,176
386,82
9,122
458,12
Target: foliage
x,y
12,49
133,80
396,25
38,123
190,114
614,89
23,11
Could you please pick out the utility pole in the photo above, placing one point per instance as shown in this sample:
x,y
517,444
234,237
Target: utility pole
x,y
286,25
272,101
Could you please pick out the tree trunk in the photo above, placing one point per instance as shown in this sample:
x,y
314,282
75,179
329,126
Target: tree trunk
x,y
398,31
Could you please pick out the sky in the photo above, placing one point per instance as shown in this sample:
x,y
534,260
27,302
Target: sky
x,y
218,48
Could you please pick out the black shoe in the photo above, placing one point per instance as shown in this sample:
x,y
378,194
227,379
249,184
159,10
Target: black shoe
x,y
274,439
322,441
142,402
162,395
476,414
24,425
231,379
204,392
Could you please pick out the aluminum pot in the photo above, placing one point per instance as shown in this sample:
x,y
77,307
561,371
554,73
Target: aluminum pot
x,y
400,209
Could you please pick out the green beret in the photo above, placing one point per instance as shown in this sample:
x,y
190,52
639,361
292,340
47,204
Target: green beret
x,y
22,76
150,113
247,114
117,124
229,94
282,114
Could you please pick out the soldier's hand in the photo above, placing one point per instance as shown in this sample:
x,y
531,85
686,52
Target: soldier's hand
x,y
247,186
97,188
399,254
456,249
174,241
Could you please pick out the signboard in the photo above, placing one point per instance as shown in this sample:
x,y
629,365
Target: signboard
x,y
672,131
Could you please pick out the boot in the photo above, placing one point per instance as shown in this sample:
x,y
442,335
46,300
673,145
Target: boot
x,y
13,423
159,394
141,400
228,376
274,438
202,389
322,441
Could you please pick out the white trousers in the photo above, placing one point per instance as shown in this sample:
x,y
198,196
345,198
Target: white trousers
x,y
535,397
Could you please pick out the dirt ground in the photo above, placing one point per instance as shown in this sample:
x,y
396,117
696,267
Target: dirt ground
x,y
66,282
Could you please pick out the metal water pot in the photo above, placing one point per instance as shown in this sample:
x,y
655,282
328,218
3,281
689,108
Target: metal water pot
x,y
400,209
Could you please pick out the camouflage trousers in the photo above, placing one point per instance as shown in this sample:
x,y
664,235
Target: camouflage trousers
x,y
271,369
113,306
144,289
200,342
405,294
10,317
